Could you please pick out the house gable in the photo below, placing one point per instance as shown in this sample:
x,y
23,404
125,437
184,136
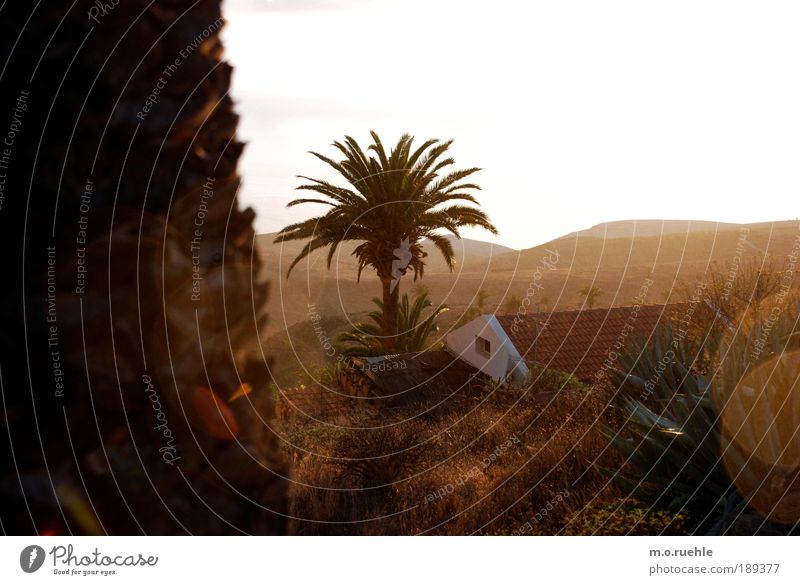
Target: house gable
x,y
484,344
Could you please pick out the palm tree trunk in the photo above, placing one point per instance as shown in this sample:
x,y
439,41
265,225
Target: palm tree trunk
x,y
391,299
51,71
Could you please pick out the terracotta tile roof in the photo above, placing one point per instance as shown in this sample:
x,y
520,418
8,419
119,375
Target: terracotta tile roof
x,y
583,342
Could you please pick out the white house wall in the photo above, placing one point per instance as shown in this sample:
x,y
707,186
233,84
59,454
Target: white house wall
x,y
504,359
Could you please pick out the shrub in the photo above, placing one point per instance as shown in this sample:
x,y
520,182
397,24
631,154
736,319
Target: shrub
x,y
488,469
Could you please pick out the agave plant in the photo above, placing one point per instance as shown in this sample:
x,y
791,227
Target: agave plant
x,y
670,438
674,390
413,328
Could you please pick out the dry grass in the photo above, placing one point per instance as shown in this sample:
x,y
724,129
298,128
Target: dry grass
x,y
510,462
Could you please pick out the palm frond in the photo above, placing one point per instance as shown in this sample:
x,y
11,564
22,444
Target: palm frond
x,y
414,328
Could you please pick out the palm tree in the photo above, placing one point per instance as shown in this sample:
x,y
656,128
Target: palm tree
x,y
476,308
544,301
364,339
197,125
591,293
512,305
393,202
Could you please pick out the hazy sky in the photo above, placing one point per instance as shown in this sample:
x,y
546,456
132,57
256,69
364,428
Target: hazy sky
x,y
579,112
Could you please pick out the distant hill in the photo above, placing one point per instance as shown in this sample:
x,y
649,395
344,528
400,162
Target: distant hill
x,y
668,252
650,227
281,255
337,291
678,242
477,248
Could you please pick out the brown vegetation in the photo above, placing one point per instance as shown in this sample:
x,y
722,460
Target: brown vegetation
x,y
522,461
